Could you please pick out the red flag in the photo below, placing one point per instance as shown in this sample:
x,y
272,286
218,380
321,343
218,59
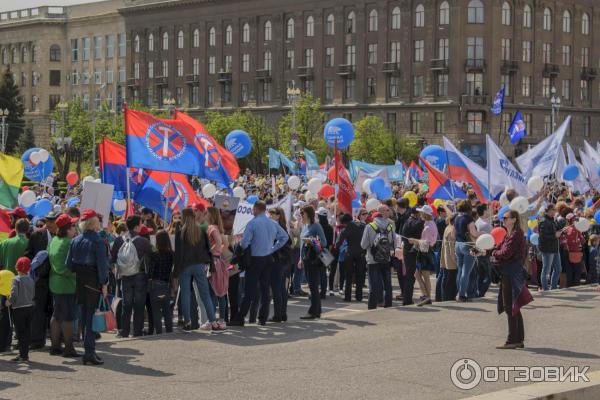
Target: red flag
x,y
346,191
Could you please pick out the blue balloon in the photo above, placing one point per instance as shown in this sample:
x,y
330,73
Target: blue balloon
x,y
73,201
598,171
597,217
503,211
356,204
384,194
571,172
238,143
37,172
252,199
42,208
589,203
436,156
339,131
534,239
377,184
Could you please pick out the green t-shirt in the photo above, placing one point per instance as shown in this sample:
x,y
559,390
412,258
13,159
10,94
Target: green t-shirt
x,y
10,251
62,280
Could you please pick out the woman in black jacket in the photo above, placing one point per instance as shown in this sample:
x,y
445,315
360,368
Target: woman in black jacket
x,y
354,262
280,274
160,268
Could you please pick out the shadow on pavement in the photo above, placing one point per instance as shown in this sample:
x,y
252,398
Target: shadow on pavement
x,y
560,353
8,385
33,365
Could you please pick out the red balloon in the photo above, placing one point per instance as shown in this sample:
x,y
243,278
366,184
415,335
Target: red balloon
x,y
498,234
331,174
24,188
72,178
326,191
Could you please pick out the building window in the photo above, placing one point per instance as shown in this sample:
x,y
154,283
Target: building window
x,y
310,26
506,50
443,49
526,51
290,28
527,16
566,89
109,76
566,55
196,66
415,123
527,120
212,36
391,122
226,93
121,73
372,54
136,70
351,55
547,52
506,14
394,87
419,51
546,87
150,69
151,42
97,101
442,85
165,41
196,38
35,51
86,49
351,22
584,90
373,21
267,58
547,21
328,90
210,96
308,58
505,122
475,48
178,96
566,20
289,59
227,63
74,50
268,31
330,25
587,122
547,124
98,47
475,12
526,86
475,122
371,87
585,24
349,88
420,16
396,18
212,65
444,18
246,33
165,68
122,45
15,56
266,91
474,84
136,44
245,62
110,46
194,95
585,56
440,122
4,56
54,78
228,35
329,57
395,52
179,67
244,93
54,53
418,85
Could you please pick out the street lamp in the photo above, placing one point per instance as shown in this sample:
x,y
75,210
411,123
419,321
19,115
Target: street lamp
x,y
62,142
3,115
555,102
169,102
293,94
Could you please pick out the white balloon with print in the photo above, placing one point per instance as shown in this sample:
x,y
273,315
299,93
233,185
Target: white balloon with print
x,y
35,158
314,185
209,190
44,155
293,182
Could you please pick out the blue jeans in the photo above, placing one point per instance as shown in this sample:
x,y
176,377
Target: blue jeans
x,y
465,262
134,299
198,272
380,285
551,269
89,336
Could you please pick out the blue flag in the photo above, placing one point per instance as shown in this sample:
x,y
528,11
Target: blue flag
x,y
274,159
498,103
289,164
311,160
517,129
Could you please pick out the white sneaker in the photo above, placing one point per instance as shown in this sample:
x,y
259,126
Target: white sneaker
x,y
331,293
341,292
207,326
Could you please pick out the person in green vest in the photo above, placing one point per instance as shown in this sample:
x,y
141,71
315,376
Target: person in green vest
x,y
62,286
15,247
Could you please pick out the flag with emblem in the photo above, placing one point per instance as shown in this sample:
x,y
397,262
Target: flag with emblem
x,y
4,224
11,175
517,129
113,167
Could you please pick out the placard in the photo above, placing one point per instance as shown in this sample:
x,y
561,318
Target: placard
x,y
98,197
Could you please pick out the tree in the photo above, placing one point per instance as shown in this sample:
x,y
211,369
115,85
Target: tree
x,y
26,141
10,99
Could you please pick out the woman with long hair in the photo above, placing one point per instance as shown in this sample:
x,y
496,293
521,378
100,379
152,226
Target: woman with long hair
x,y
219,279
159,275
309,259
193,260
425,257
280,274
465,232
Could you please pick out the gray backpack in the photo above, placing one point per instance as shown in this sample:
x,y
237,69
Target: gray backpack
x,y
128,262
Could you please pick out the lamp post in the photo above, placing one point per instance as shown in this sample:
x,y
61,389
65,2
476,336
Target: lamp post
x,y
62,107
293,94
555,103
169,102
3,124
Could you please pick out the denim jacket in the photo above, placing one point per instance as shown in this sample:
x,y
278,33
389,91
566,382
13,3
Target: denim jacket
x,y
89,250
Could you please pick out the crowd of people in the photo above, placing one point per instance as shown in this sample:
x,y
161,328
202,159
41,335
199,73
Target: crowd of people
x,y
71,262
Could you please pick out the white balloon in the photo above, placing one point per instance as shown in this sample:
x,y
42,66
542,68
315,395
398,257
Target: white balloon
x,y
293,182
535,184
310,196
485,242
239,191
44,155
304,188
28,198
88,179
366,186
314,185
372,204
503,200
98,180
209,190
120,205
35,158
519,204
582,225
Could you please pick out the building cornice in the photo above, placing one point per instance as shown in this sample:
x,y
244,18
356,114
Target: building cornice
x,y
155,5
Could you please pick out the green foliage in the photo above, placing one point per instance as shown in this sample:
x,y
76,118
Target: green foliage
x,y
26,141
10,99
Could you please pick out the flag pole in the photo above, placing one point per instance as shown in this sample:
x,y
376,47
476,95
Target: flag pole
x,y
166,198
450,175
127,172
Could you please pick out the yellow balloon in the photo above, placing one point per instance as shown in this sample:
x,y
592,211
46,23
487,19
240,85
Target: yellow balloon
x,y
438,202
532,223
411,197
6,278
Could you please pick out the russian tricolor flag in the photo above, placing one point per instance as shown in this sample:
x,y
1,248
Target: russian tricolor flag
x,y
463,169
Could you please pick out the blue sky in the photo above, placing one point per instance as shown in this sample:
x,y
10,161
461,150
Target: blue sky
x,y
8,5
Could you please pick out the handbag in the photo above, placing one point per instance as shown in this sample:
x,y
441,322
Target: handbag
x,y
326,257
575,256
98,320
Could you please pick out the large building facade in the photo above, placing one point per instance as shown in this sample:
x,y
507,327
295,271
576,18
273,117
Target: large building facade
x,y
426,67
62,53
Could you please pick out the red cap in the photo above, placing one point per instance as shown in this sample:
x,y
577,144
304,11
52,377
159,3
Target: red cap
x,y
199,207
64,220
23,265
88,214
376,214
145,230
19,212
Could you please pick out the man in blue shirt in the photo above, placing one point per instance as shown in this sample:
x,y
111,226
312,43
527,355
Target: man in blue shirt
x,y
263,237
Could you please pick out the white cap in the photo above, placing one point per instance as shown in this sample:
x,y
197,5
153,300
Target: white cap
x,y
426,209
323,212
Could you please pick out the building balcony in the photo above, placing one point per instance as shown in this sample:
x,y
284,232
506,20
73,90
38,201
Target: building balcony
x,y
192,79
133,82
161,81
439,65
263,75
346,71
588,73
551,70
305,72
509,67
391,67
224,77
475,65
474,100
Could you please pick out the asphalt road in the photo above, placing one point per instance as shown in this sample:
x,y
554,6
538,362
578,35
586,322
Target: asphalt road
x,y
351,353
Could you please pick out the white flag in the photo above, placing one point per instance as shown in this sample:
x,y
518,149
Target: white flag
x,y
580,183
591,168
541,160
561,163
591,152
502,173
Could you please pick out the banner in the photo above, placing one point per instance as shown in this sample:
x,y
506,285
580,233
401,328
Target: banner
x,y
580,183
363,176
311,160
502,173
591,168
461,168
227,206
244,213
98,197
395,172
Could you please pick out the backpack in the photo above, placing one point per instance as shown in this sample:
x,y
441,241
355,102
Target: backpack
x,y
128,262
382,247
